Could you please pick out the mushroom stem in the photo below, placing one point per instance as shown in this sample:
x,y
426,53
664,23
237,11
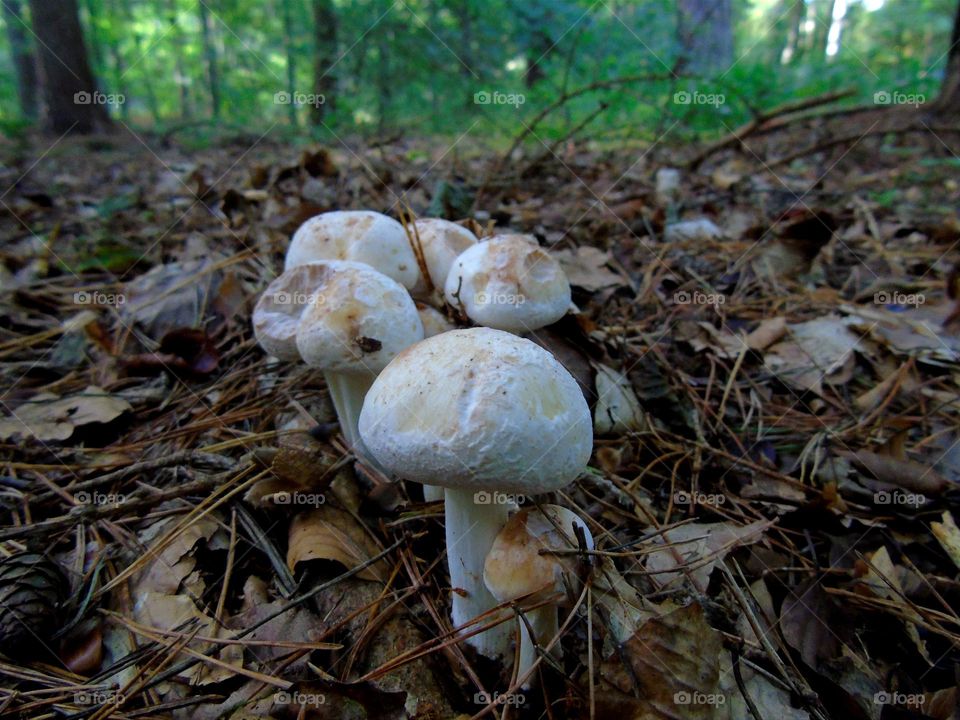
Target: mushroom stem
x,y
347,391
471,529
432,493
545,626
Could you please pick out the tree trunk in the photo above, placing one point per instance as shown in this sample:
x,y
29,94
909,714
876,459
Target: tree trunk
x,y
178,43
705,32
288,31
73,100
24,62
949,98
325,58
210,53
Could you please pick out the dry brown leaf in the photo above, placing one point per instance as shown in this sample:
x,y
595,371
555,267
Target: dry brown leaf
x,y
815,352
175,562
330,534
668,670
910,475
48,417
805,621
589,268
700,546
948,536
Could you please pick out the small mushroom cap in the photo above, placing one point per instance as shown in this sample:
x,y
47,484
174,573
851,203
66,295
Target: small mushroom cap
x,y
279,308
508,282
357,320
434,322
514,566
358,235
442,242
478,409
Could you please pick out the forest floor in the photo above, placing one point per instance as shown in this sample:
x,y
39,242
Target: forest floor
x,y
777,336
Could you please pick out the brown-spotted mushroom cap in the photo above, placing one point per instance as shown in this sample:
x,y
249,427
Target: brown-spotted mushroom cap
x,y
510,283
278,311
442,242
357,320
478,409
358,235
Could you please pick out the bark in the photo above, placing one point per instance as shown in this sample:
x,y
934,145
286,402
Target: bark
x,y
210,54
949,98
705,32
23,59
73,101
325,58
291,51
181,73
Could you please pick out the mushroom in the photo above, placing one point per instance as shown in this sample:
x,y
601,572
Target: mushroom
x,y
433,321
358,235
441,242
355,322
482,413
516,567
508,282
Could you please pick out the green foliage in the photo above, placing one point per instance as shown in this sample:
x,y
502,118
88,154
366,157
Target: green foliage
x,y
417,66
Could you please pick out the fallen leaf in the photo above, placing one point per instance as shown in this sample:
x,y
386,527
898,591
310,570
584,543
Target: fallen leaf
x,y
617,408
948,536
48,417
815,352
589,268
330,534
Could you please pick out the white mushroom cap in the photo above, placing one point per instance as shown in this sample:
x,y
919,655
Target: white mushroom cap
x,y
434,321
279,308
357,320
442,241
358,235
478,409
508,282
514,566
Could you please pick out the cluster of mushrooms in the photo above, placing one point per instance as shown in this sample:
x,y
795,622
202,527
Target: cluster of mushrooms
x,y
479,416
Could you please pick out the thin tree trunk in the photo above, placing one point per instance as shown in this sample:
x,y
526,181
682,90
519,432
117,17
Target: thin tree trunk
x,y
325,58
24,61
73,101
288,32
119,65
181,73
949,98
210,54
705,32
